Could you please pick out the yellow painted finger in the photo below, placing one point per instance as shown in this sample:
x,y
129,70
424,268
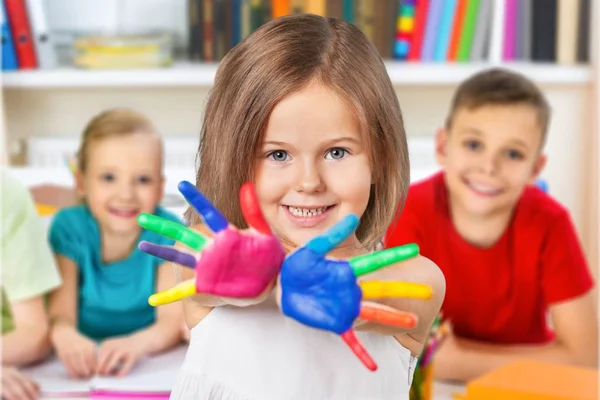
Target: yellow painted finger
x,y
381,289
176,293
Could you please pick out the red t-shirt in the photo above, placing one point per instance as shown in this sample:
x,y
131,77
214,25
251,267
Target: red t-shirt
x,y
501,293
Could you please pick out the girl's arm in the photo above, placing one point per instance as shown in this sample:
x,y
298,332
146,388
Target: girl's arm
x,y
576,326
62,305
77,352
165,332
417,270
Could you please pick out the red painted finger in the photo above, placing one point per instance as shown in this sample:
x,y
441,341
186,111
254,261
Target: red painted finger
x,y
387,316
352,341
251,209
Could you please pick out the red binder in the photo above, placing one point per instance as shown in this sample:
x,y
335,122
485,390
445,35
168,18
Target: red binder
x,y
21,32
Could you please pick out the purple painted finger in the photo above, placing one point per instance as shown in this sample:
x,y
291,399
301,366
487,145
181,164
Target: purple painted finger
x,y
168,253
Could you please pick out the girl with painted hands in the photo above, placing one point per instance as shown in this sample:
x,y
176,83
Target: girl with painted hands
x,y
304,119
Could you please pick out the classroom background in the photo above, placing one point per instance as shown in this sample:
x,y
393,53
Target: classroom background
x,y
75,58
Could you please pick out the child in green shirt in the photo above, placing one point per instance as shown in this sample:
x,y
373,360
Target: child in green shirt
x,y
14,384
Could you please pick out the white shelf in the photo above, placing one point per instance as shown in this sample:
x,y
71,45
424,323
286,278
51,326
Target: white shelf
x,y
184,74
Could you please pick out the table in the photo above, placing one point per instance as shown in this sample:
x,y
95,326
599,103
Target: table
x,y
441,391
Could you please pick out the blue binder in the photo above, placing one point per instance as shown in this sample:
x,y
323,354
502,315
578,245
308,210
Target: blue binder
x,y
9,58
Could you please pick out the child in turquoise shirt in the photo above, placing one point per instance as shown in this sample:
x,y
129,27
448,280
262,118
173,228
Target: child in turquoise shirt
x,y
113,296
101,320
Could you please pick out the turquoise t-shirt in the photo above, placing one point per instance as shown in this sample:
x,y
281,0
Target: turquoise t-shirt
x,y
113,297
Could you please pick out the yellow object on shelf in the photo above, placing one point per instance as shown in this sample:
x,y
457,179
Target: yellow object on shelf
x,y
123,51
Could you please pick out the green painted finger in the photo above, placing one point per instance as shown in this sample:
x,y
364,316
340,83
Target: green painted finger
x,y
172,230
368,263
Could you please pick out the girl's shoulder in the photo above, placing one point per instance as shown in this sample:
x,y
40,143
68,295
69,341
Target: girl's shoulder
x,y
74,216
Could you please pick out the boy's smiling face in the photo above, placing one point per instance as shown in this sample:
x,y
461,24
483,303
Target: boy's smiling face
x,y
490,154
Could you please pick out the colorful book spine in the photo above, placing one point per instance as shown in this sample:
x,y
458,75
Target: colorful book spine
x,y
349,11
434,16
279,8
21,33
9,57
457,28
442,41
510,29
416,45
468,31
404,29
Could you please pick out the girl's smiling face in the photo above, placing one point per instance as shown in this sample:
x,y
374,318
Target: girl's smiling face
x,y
313,167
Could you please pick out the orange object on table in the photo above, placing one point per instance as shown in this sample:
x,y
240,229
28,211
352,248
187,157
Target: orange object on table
x,y
530,380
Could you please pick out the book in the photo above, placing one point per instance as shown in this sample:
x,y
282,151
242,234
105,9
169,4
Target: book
x,y
531,380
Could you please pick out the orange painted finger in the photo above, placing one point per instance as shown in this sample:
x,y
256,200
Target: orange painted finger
x,y
352,341
251,209
387,316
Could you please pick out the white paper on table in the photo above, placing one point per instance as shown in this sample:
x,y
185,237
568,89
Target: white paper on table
x,y
152,374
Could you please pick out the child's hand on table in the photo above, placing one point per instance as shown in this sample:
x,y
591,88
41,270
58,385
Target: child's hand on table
x,y
75,351
238,266
118,355
16,386
325,293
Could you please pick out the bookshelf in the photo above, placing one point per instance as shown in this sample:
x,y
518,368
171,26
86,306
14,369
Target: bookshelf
x,y
189,74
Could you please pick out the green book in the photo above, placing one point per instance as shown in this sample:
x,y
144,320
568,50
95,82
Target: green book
x,y
468,31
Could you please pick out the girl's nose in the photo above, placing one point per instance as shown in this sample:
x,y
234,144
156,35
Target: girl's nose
x,y
309,179
125,191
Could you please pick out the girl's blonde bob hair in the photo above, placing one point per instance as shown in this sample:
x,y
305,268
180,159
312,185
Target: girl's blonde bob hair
x,y
278,59
108,124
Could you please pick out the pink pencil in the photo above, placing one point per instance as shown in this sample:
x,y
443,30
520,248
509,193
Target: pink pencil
x,y
120,395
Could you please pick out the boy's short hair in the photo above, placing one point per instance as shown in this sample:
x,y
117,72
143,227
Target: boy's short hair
x,y
498,86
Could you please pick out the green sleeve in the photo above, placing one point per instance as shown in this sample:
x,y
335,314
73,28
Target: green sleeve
x,y
7,321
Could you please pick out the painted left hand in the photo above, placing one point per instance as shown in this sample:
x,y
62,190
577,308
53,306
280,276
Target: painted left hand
x,y
238,265
325,294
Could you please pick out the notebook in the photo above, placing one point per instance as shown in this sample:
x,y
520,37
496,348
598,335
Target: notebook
x,y
152,378
530,380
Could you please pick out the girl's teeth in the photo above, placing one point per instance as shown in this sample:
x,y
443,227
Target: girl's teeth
x,y
306,212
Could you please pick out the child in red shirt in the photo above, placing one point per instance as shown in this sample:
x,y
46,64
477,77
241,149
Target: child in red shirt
x,y
509,252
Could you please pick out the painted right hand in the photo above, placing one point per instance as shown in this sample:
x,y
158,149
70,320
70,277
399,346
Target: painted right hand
x,y
16,386
239,266
75,351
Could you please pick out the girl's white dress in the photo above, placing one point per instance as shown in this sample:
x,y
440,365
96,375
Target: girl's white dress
x,y
256,353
